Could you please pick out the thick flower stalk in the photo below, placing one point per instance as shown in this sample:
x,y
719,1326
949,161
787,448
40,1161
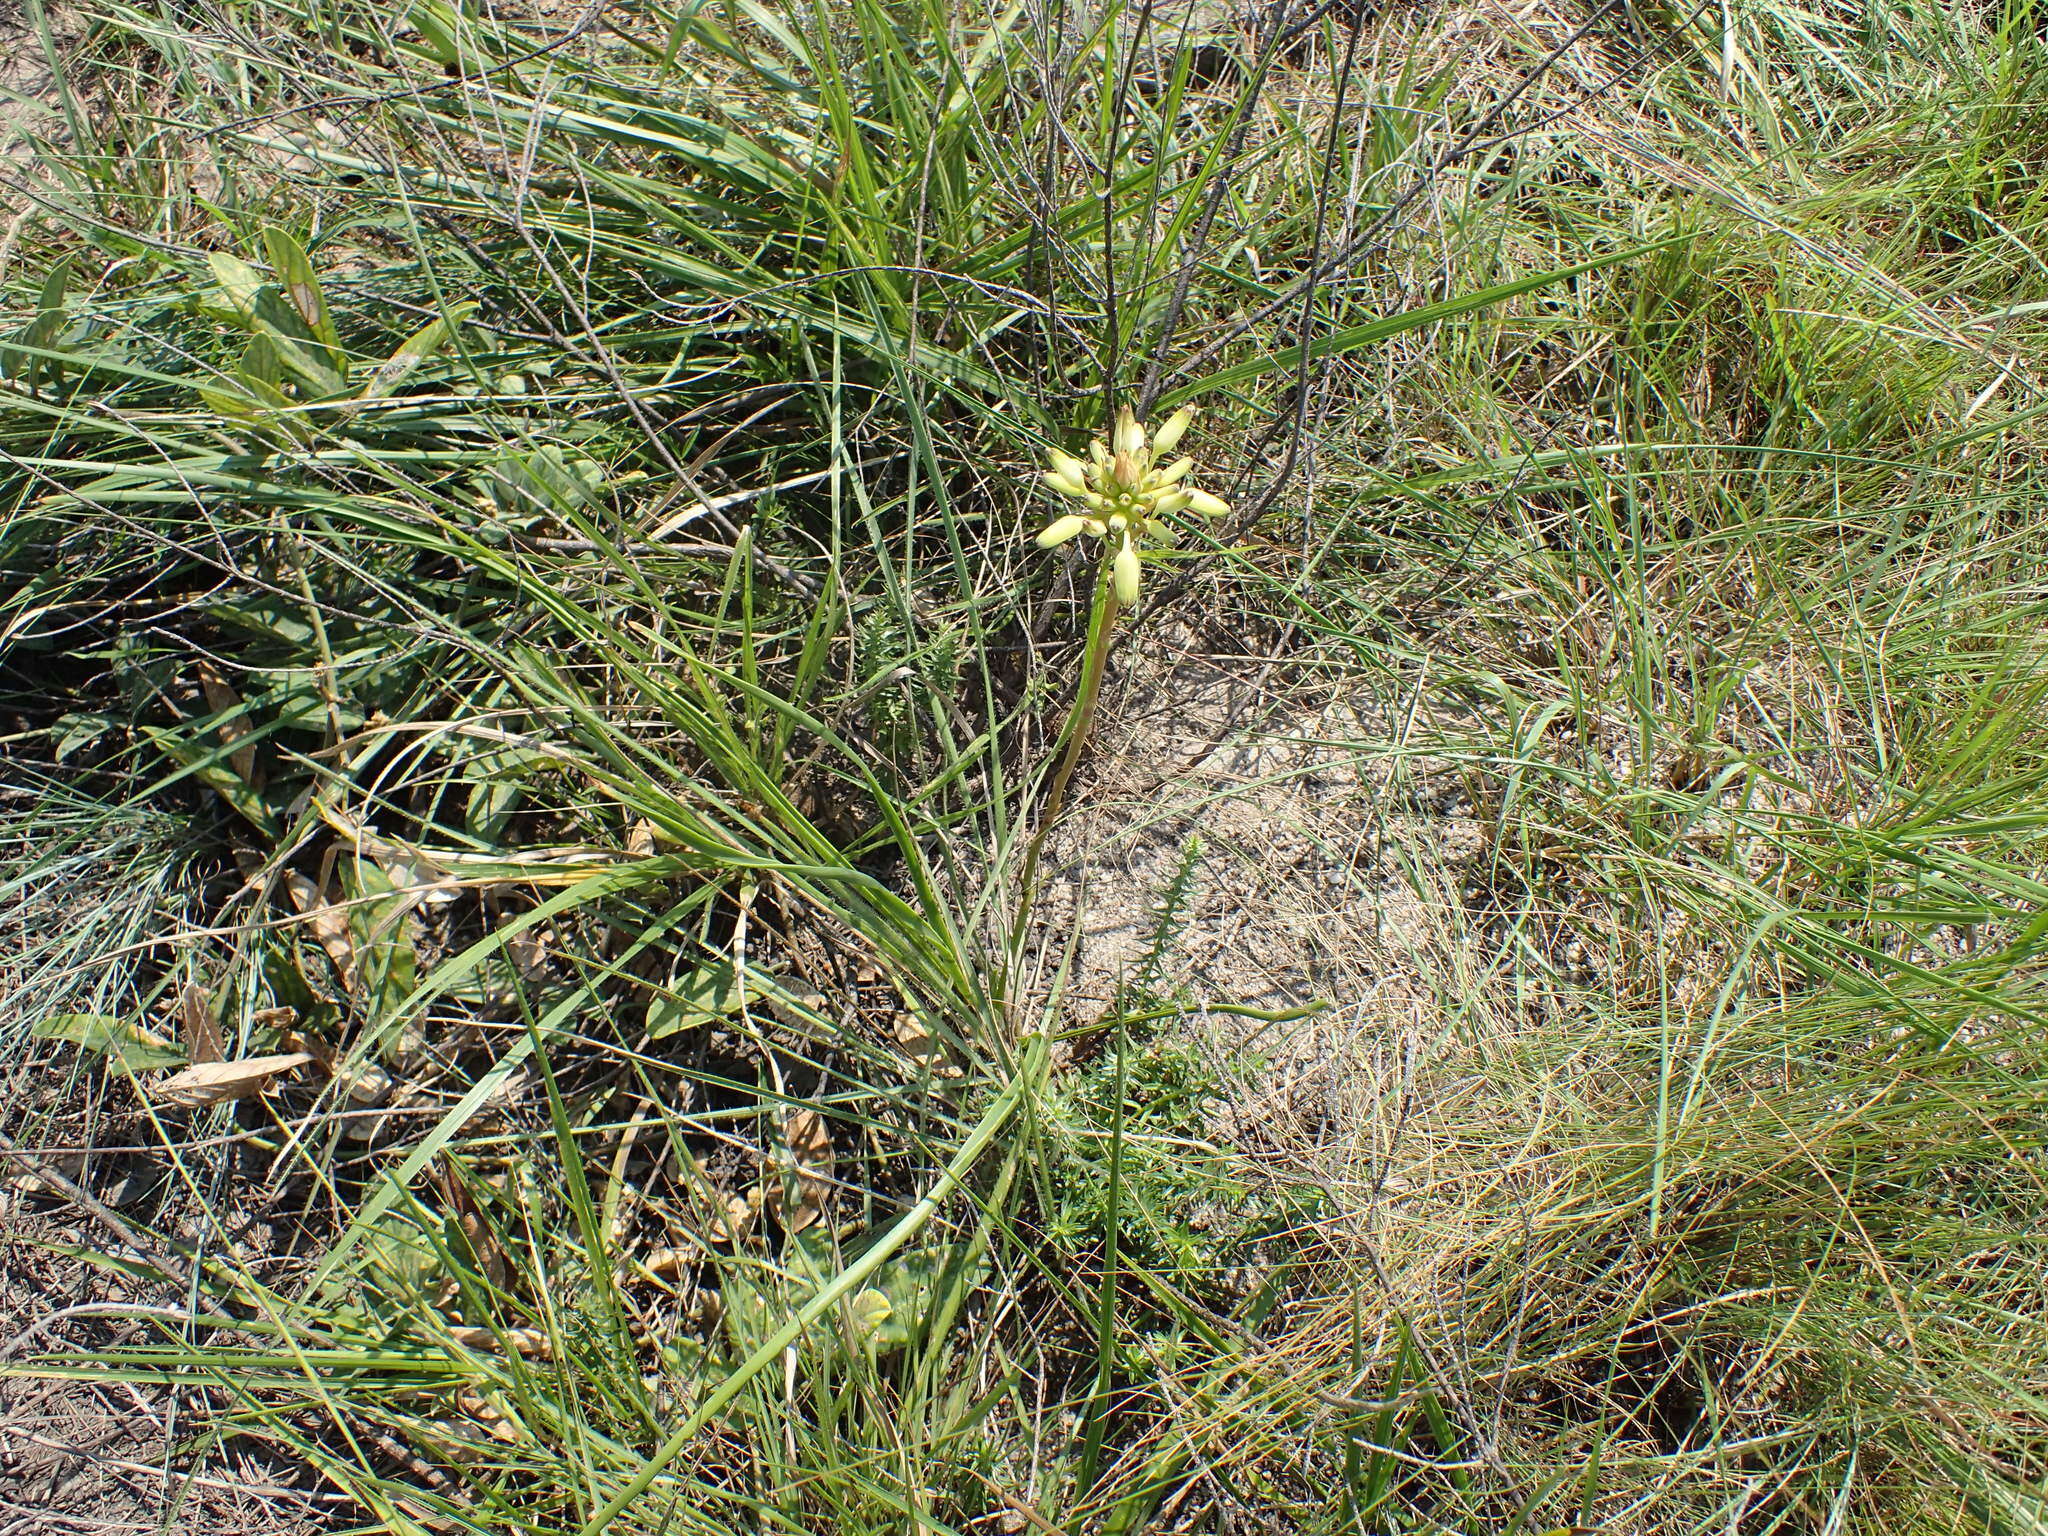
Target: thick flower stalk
x,y
1128,494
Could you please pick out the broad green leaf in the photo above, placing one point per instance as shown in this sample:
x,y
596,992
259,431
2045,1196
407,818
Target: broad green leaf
x,y
416,349
209,765
707,995
80,729
439,27
397,1258
239,283
288,260
490,806
324,368
263,309
385,958
276,619
41,332
871,1312
908,1286
260,365
55,285
545,481
125,1045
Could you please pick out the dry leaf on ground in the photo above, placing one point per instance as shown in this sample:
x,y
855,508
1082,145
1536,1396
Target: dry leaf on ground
x,y
329,925
663,1262
529,1342
528,952
202,1035
220,698
922,1047
216,1082
809,1140
736,1220
487,1416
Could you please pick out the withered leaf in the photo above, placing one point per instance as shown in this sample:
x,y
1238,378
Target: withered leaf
x,y
329,925
366,1084
795,1004
412,873
216,1082
737,1218
669,1261
915,1039
809,1140
222,698
202,1036
486,1416
530,1342
921,1046
528,951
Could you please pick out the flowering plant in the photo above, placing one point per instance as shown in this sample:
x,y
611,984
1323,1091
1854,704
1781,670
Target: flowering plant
x,y
1127,492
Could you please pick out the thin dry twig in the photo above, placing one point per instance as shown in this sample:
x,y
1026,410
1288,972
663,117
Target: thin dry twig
x,y
85,1200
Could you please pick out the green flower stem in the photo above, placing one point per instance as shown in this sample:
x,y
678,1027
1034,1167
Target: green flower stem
x,y
1080,725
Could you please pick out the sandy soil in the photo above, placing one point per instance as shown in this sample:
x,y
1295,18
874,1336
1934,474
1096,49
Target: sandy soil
x,y
1292,854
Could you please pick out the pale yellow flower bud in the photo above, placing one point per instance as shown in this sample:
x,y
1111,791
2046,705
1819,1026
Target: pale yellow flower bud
x,y
1124,570
1176,470
1130,437
1165,503
1062,529
1065,464
1066,485
1166,437
1207,505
